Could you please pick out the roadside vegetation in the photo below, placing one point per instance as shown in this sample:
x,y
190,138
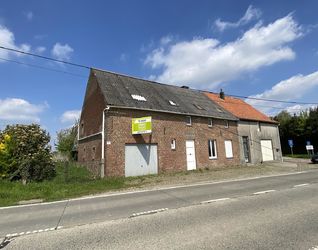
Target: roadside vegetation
x,y
301,128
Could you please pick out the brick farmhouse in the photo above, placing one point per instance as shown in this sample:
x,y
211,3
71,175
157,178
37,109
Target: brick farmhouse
x,y
131,127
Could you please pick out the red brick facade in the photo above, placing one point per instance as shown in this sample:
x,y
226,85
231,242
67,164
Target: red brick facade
x,y
165,127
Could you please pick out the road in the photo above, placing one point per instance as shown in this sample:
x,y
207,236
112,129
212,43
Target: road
x,y
274,212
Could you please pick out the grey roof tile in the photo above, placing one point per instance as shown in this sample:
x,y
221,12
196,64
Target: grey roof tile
x,y
117,90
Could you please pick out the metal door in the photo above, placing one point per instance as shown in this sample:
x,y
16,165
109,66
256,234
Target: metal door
x,y
246,148
267,150
141,159
190,150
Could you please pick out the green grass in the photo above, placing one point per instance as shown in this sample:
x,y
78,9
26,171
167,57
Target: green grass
x,y
78,182
304,156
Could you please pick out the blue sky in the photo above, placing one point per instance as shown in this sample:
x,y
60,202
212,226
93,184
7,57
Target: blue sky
x,y
266,49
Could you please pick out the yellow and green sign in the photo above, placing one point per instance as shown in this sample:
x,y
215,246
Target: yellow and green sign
x,y
141,125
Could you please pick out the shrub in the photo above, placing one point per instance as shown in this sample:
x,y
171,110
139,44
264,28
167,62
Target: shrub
x,y
25,153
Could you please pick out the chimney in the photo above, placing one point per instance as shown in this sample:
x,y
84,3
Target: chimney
x,y
222,95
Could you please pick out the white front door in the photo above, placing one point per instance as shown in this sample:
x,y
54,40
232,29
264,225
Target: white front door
x,y
190,150
267,150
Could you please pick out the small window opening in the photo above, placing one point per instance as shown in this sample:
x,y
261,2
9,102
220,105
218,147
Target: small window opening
x,y
210,122
138,98
172,103
188,120
173,144
226,124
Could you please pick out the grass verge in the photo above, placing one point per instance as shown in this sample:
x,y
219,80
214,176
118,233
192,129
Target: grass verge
x,y
77,181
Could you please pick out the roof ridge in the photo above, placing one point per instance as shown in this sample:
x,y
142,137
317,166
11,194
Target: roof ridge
x,y
139,78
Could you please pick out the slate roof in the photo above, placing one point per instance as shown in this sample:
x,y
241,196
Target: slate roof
x,y
239,108
118,90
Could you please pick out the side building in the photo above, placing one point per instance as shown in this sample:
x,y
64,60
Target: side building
x,y
131,127
258,135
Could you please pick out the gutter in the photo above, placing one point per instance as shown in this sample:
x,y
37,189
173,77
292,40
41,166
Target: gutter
x,y
171,112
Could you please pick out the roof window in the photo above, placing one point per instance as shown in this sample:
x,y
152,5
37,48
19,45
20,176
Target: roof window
x,y
138,98
172,103
198,106
219,110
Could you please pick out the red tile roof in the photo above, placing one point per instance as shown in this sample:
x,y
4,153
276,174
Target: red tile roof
x,y
239,108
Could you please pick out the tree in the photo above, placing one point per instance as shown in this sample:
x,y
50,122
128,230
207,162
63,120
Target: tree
x,y
25,153
66,141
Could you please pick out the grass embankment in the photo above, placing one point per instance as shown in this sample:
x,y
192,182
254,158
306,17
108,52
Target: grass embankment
x,y
76,182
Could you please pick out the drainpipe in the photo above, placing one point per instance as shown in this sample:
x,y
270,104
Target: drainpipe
x,y
102,167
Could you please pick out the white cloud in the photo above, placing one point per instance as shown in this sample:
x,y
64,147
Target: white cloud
x,y
123,57
166,40
291,89
20,110
250,14
205,63
7,39
70,116
40,49
62,52
28,15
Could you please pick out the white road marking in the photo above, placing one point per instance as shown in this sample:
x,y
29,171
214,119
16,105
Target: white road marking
x,y
151,190
33,232
149,212
301,185
215,200
264,192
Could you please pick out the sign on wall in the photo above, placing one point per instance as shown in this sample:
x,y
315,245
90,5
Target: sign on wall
x,y
141,125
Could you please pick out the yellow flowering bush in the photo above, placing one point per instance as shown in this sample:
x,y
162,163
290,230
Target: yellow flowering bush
x,y
25,153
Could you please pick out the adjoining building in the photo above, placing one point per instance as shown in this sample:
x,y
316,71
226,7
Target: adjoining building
x,y
131,127
258,135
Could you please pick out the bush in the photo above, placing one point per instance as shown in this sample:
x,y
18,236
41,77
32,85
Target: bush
x,y
25,153
66,142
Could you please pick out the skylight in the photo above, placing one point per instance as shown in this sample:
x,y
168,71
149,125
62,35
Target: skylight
x,y
198,106
221,111
139,98
172,103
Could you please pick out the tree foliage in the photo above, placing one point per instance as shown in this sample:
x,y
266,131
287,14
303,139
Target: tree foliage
x,y
66,141
25,153
300,128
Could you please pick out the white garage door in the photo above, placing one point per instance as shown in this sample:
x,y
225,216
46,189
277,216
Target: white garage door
x,y
267,150
141,159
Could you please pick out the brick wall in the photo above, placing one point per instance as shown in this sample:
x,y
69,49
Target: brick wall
x,y
166,127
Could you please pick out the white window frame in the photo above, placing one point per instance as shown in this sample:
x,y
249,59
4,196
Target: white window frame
x,y
212,143
190,119
226,124
259,129
210,122
228,154
173,144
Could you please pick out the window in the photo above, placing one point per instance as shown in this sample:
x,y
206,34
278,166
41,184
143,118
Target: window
x,y
198,106
212,149
226,124
259,129
138,98
173,144
228,149
172,103
210,122
188,120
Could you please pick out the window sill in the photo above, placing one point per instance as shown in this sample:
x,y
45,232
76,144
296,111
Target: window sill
x,y
213,158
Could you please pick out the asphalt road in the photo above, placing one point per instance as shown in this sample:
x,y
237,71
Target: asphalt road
x,y
82,211
286,218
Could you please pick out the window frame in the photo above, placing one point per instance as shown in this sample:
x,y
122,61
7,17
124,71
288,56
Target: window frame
x,y
190,120
212,143
226,125
210,125
173,144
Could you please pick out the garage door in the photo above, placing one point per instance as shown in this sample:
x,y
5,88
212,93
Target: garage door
x,y
141,159
267,150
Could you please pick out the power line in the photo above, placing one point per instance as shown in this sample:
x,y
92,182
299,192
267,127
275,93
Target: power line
x,y
87,67
45,57
41,67
272,100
